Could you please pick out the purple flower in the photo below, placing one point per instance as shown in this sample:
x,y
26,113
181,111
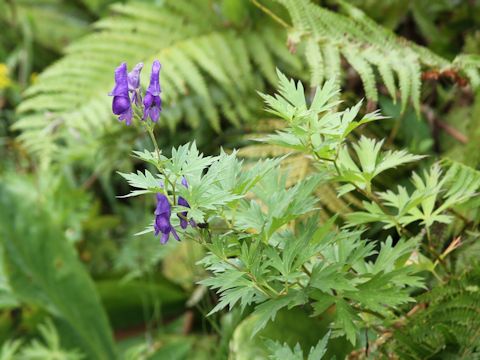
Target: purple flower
x,y
134,83
152,101
162,219
121,100
183,215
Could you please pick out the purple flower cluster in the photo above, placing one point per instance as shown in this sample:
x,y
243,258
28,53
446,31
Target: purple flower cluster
x,y
127,83
163,212
126,94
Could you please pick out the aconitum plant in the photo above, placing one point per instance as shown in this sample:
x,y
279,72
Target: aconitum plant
x,y
267,249
151,107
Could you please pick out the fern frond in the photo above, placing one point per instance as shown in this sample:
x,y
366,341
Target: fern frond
x,y
315,61
206,69
333,64
471,66
51,23
364,69
367,45
452,314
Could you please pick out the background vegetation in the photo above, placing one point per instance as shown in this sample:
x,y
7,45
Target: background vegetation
x,y
75,281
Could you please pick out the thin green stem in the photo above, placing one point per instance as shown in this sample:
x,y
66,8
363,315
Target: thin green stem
x,y
252,277
438,260
270,13
368,311
429,237
306,271
205,316
173,192
154,141
394,131
171,184
299,284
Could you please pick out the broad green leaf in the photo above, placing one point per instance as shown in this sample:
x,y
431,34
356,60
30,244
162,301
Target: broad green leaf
x,y
43,270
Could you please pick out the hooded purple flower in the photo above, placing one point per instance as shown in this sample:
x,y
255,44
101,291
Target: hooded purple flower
x,y
183,215
134,83
152,101
121,100
162,219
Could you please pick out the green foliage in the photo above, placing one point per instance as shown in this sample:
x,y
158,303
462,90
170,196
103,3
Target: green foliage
x,y
214,182
372,162
207,67
52,23
315,128
43,270
367,47
267,258
279,268
391,274
10,349
279,351
50,348
457,186
286,279
434,194
454,18
321,132
7,296
451,312
290,328
124,301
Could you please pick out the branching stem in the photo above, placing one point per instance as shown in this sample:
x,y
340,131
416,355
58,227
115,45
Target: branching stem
x,y
368,194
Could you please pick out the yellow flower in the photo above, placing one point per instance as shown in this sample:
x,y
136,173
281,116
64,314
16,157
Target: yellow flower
x,y
4,79
33,77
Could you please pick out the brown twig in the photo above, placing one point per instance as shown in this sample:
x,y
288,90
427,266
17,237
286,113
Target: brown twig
x,y
454,133
436,122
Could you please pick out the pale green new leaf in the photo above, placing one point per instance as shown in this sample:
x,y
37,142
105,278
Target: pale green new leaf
x,y
145,181
371,160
